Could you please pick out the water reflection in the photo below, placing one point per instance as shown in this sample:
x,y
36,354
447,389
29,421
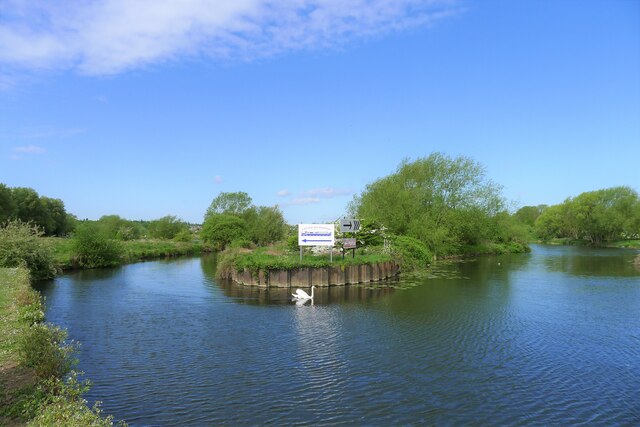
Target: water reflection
x,y
580,261
350,294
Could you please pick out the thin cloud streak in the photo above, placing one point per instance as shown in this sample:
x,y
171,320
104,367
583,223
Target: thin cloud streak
x,y
328,193
111,36
29,149
283,193
304,201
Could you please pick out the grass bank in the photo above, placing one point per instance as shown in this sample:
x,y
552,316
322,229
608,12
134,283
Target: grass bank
x,y
37,384
130,251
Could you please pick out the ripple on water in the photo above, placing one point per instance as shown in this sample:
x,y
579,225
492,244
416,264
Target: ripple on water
x,y
165,344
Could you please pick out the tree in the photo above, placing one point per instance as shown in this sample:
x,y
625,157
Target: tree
x,y
166,227
55,217
28,206
229,203
528,215
597,216
7,205
222,229
116,227
442,201
91,248
265,225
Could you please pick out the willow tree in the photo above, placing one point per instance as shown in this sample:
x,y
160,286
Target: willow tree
x,y
445,202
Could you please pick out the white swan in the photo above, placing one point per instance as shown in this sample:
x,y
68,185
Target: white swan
x,y
302,295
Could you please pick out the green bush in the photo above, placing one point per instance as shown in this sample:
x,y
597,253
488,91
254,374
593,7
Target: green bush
x,y
410,253
222,229
43,348
91,248
183,236
22,245
67,407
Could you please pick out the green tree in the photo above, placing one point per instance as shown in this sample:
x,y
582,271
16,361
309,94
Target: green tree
x,y
528,215
596,216
28,206
229,203
265,224
442,201
55,217
166,227
7,205
222,229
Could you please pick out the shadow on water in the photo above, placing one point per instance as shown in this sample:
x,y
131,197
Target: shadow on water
x,y
584,261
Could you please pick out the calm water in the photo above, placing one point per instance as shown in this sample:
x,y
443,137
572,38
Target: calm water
x,y
551,337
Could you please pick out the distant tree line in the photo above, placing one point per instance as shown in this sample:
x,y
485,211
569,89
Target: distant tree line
x,y
599,216
233,219
26,205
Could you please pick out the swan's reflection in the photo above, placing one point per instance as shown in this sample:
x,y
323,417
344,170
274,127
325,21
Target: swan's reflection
x,y
349,294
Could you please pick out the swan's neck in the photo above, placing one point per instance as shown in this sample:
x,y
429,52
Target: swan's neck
x,y
312,289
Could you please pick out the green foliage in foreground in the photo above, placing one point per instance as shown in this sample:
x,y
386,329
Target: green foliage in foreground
x,y
259,260
21,245
46,398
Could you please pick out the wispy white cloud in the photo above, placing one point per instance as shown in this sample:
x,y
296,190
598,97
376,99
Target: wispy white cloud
x,y
328,192
29,149
283,193
110,36
305,200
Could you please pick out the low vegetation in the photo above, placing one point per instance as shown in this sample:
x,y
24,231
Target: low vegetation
x,y
22,245
38,384
269,259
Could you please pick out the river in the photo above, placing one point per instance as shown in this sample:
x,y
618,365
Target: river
x,y
550,337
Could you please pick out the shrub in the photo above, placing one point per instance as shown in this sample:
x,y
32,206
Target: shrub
x,y
183,236
92,249
68,408
43,348
410,253
22,245
222,229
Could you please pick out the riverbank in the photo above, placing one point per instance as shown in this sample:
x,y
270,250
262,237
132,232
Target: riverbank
x,y
33,360
277,269
131,251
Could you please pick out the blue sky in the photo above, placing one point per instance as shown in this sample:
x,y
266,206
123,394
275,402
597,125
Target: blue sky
x,y
143,110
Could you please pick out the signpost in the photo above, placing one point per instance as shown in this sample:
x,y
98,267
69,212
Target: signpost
x,y
349,243
349,225
316,235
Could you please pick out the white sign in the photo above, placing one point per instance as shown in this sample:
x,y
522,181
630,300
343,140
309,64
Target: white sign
x,y
349,225
316,234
